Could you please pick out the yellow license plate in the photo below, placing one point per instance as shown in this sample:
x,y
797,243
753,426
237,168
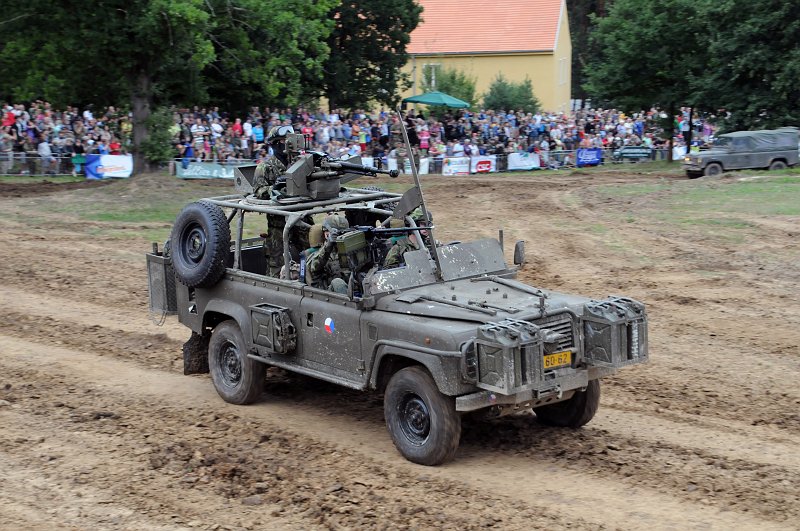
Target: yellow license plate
x,y
559,359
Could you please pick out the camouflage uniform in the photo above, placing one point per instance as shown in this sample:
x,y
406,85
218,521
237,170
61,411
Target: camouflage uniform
x,y
394,258
267,172
323,267
273,244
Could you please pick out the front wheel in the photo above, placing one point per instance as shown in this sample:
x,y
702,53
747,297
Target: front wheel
x,y
777,165
237,378
712,170
574,412
423,423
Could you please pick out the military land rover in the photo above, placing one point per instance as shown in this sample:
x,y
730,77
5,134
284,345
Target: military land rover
x,y
773,149
450,330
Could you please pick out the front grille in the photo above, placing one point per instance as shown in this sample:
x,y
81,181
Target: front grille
x,y
561,323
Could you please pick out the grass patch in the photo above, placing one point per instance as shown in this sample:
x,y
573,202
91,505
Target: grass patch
x,y
728,223
38,179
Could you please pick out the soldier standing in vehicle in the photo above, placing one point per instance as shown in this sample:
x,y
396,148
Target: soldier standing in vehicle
x,y
272,167
322,267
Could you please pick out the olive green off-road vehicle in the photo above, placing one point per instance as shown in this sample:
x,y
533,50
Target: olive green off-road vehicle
x,y
449,332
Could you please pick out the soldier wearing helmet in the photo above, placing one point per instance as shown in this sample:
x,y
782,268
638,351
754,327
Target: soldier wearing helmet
x,y
277,139
322,267
269,169
409,241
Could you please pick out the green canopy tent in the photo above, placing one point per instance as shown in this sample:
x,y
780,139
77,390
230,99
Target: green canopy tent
x,y
437,98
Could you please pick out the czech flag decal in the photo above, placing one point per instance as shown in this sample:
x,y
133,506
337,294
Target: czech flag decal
x,y
329,326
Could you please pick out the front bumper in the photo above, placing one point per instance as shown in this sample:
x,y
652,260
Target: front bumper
x,y
519,361
556,390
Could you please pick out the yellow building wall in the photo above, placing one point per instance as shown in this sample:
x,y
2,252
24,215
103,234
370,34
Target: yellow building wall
x,y
549,72
562,60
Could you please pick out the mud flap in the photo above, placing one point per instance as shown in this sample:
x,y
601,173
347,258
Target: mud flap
x,y
195,354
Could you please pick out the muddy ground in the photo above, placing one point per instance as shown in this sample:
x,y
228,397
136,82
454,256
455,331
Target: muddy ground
x,y
99,429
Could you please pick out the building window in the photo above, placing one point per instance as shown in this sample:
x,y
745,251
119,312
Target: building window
x,y
429,71
562,71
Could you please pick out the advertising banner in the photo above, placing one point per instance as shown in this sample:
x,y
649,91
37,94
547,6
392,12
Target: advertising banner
x,y
424,166
523,161
105,166
455,166
589,157
483,164
206,170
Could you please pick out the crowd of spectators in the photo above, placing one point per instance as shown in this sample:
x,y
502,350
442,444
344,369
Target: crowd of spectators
x,y
208,134
59,137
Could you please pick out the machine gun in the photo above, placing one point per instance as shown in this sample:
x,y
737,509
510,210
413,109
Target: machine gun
x,y
312,175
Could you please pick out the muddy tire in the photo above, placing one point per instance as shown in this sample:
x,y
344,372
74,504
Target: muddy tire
x,y
237,378
572,413
200,244
422,422
777,165
712,169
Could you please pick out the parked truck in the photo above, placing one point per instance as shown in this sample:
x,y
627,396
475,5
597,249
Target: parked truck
x,y
774,149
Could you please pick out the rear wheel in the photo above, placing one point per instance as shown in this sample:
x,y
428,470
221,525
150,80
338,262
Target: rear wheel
x,y
777,165
712,169
423,423
574,412
237,378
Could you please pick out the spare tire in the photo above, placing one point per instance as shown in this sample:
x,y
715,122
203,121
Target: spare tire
x,y
200,244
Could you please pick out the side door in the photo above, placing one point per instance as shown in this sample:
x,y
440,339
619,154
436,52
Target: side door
x,y
741,154
330,333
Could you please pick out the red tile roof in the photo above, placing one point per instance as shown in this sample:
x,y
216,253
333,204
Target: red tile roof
x,y
461,26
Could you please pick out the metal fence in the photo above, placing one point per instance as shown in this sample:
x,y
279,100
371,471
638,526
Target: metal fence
x,y
31,163
16,163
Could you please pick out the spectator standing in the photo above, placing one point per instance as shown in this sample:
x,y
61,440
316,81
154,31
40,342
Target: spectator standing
x,y
46,154
78,157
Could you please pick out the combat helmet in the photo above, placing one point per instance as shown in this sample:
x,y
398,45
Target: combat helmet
x,y
419,218
335,223
278,133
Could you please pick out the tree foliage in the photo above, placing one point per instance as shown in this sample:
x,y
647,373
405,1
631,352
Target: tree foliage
x,y
643,59
754,63
163,51
451,81
267,52
583,49
368,49
508,95
738,56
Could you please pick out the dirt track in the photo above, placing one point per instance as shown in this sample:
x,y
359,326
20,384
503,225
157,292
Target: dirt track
x,y
100,430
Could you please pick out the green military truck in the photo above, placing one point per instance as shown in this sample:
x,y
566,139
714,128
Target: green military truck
x,y
773,149
451,331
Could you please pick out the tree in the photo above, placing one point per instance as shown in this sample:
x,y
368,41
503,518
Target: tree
x,y
583,51
368,49
268,52
450,81
754,63
507,95
155,51
649,54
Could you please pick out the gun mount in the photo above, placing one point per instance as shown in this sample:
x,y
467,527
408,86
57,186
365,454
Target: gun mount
x,y
313,175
